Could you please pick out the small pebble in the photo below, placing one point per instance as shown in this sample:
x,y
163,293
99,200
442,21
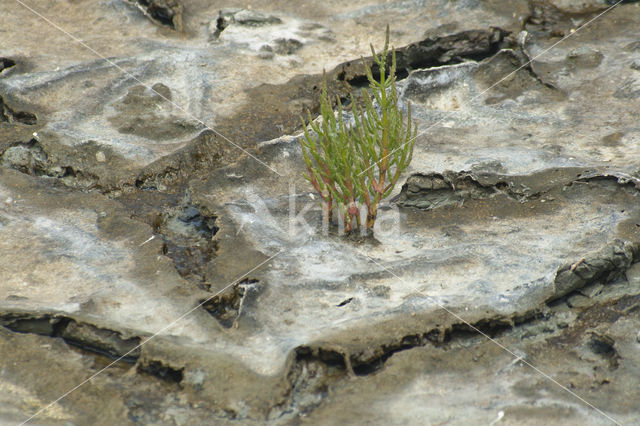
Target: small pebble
x,y
100,157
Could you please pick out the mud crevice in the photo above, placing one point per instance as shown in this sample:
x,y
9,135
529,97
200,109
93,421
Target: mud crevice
x,y
82,335
6,63
196,159
12,115
372,360
315,368
226,308
279,107
162,371
472,45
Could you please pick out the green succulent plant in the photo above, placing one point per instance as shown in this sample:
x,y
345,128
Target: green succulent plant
x,y
359,165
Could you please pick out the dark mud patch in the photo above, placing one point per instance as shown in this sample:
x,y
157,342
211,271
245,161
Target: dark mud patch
x,y
148,112
187,230
590,336
227,307
188,234
196,160
188,241
309,378
166,13
550,20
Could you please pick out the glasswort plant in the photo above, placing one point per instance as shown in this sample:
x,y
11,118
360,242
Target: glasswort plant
x,y
358,165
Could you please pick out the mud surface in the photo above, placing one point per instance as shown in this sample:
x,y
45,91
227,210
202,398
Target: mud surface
x,y
153,210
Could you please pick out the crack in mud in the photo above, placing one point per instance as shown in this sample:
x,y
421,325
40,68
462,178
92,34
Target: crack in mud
x,y
85,336
313,369
309,378
12,115
161,371
6,63
92,340
227,307
473,45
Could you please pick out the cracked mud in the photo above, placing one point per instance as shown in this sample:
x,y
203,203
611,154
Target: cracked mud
x,y
120,211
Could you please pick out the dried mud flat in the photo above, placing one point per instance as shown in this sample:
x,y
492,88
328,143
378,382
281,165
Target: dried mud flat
x,y
155,175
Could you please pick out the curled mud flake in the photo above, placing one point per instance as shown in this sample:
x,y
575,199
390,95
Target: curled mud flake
x,y
436,190
604,266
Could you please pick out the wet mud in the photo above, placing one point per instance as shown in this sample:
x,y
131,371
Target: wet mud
x,y
516,234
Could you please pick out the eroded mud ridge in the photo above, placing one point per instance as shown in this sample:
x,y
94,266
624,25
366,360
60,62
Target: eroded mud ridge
x,y
153,211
